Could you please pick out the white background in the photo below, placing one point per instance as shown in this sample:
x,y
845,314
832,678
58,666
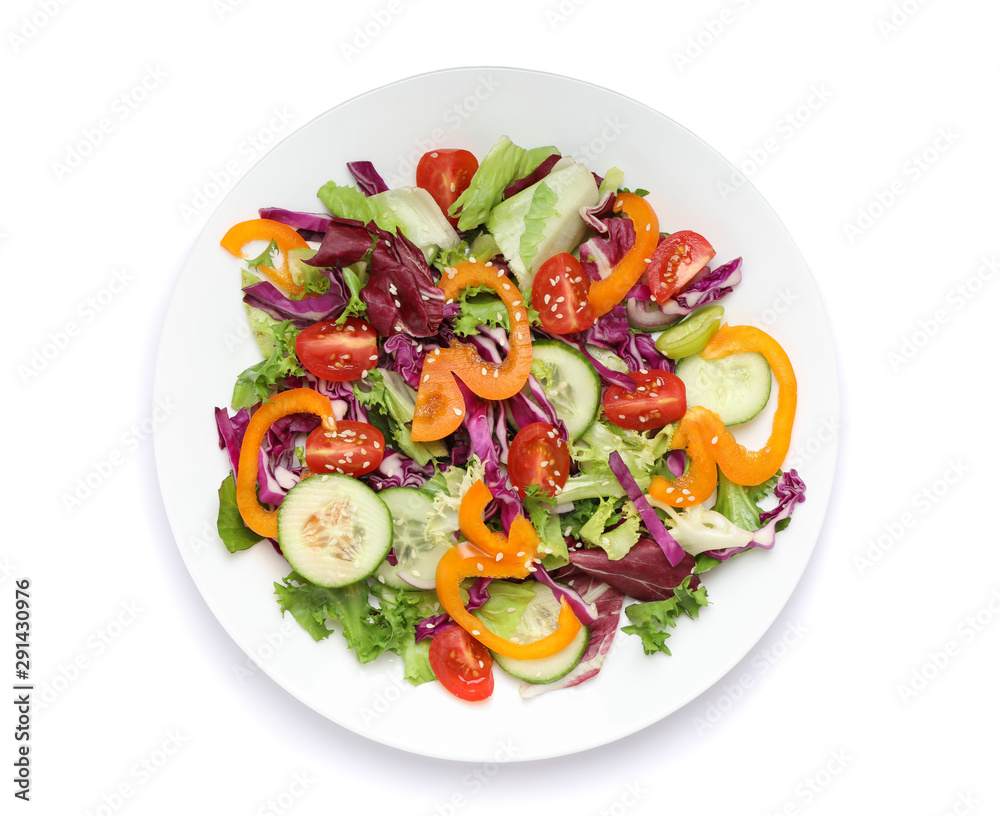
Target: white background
x,y
870,128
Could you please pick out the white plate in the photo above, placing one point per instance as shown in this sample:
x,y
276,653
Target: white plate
x,y
206,343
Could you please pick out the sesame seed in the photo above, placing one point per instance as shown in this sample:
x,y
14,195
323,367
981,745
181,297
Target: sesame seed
x,y
479,567
458,411
476,632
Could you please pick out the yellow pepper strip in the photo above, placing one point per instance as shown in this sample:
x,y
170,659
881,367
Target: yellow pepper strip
x,y
295,401
264,229
707,441
608,292
493,555
440,407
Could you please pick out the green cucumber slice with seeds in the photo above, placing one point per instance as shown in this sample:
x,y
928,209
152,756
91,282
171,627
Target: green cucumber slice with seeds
x,y
538,620
736,387
571,383
334,530
416,557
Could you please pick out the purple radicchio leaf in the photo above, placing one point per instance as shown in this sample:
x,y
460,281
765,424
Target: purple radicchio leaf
x,y
400,293
644,573
598,216
345,242
535,175
608,602
600,253
367,177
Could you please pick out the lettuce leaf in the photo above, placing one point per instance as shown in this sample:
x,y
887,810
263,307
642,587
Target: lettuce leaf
x,y
543,207
260,380
650,620
739,503
504,163
369,630
233,532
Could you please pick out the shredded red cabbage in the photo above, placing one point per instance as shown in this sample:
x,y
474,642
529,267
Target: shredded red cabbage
x,y
671,549
311,226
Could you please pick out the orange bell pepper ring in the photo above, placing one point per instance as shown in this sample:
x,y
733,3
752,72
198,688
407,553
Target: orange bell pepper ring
x,y
709,444
295,401
608,292
494,555
264,229
440,407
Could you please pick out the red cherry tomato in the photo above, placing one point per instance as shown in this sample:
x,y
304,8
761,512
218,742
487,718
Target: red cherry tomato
x,y
446,174
658,400
338,353
355,448
675,261
538,456
559,295
462,664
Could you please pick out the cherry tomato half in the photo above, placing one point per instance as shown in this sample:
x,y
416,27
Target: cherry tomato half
x,y
675,261
538,456
658,400
559,295
462,664
446,174
355,448
338,353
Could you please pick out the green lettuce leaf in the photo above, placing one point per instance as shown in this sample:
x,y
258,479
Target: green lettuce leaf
x,y
260,380
505,162
739,503
369,630
549,527
651,620
543,207
233,532
503,611
479,306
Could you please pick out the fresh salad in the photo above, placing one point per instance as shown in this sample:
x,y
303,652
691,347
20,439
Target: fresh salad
x,y
494,410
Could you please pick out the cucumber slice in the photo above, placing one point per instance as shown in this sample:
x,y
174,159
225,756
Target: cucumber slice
x,y
538,620
416,556
736,387
571,384
547,669
334,530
